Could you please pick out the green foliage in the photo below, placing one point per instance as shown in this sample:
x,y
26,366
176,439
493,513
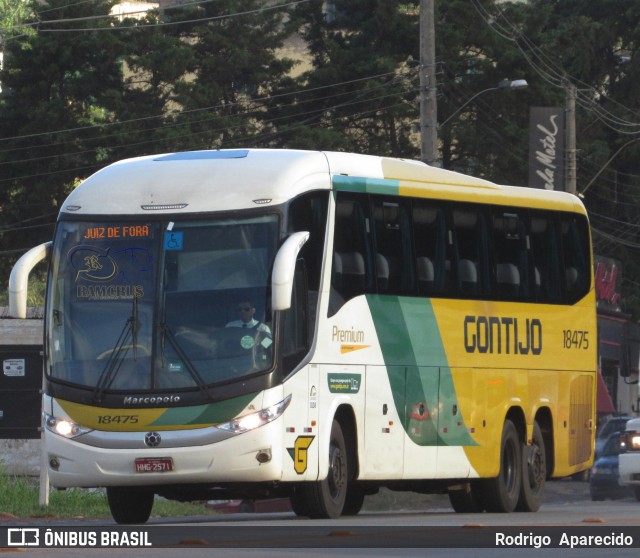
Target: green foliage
x,y
13,17
82,89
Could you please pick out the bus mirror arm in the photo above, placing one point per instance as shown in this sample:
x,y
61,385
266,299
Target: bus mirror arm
x,y
19,279
284,268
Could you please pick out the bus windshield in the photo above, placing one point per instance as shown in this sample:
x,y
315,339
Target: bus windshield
x,y
136,306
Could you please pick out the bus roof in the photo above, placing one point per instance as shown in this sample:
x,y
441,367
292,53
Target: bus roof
x,y
203,181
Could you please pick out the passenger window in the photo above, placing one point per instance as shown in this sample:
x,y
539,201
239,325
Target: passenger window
x,y
545,248
432,248
510,243
575,249
352,272
472,251
394,246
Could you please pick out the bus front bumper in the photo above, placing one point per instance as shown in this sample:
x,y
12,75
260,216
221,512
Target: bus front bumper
x,y
248,457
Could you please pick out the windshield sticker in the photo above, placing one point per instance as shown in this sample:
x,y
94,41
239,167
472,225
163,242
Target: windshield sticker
x,y
105,274
173,240
247,342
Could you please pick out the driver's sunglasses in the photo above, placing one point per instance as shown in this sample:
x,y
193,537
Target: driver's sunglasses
x,y
244,308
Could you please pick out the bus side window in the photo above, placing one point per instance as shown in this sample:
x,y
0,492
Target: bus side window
x,y
432,247
472,252
394,246
510,243
352,272
308,212
545,248
575,250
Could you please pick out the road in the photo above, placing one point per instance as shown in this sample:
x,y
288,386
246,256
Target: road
x,y
433,531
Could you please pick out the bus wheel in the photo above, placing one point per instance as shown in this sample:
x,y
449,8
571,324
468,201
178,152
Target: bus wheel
x,y
467,500
534,473
501,493
326,499
299,502
129,505
353,501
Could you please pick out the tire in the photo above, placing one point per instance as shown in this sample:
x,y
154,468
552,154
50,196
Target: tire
x,y
326,499
246,507
299,502
534,473
501,494
129,505
354,501
468,500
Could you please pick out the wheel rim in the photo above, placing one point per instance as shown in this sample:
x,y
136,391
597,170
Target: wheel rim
x,y
535,467
337,472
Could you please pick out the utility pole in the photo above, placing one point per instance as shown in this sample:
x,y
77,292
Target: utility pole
x,y
570,129
428,89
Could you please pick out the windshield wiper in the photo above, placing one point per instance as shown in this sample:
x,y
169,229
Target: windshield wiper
x,y
195,375
119,351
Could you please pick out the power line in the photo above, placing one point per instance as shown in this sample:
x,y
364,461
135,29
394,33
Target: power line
x,y
190,111
181,22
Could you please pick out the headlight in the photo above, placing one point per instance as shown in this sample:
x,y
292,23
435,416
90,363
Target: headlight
x,y
255,420
630,441
64,427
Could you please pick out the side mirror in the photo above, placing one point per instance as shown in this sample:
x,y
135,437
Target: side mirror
x,y
284,268
19,279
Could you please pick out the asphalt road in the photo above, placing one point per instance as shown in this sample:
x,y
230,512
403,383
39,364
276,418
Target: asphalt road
x,y
434,530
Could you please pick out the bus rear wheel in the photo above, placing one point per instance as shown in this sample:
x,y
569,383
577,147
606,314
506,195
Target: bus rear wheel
x,y
129,505
534,472
326,499
501,494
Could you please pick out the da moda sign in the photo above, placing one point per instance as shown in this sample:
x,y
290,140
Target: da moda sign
x,y
546,148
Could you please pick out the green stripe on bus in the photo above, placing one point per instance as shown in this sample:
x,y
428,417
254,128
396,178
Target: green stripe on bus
x,y
424,395
366,185
211,414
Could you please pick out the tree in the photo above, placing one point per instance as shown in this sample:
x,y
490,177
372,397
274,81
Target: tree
x,y
56,95
13,17
595,46
234,67
360,93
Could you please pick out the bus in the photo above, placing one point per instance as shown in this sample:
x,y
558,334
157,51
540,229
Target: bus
x,y
405,327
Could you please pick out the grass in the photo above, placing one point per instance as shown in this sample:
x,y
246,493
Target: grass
x,y
19,496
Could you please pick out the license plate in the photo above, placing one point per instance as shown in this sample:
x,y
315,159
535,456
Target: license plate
x,y
154,464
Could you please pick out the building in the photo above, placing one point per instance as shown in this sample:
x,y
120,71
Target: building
x,y
618,343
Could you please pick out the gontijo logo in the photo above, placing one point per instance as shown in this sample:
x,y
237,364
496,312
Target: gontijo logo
x,y
502,335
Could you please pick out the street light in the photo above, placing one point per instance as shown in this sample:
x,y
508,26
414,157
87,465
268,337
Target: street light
x,y
504,84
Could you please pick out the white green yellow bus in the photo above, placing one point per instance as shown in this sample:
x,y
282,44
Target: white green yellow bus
x,y
407,327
